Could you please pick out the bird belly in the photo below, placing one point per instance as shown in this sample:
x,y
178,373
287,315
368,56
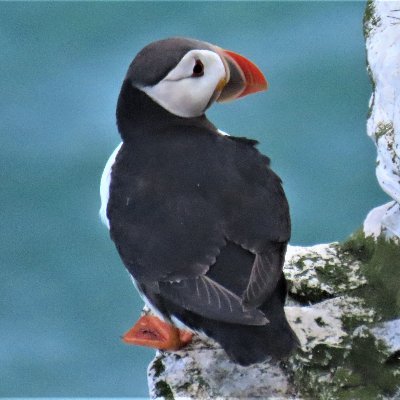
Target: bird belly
x,y
154,310
105,186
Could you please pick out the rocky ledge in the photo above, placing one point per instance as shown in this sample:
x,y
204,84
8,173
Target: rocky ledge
x,y
345,315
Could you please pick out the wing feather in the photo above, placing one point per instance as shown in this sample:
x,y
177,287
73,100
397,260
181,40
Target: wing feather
x,y
265,274
209,299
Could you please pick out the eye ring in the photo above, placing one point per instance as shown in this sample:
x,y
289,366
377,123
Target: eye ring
x,y
198,69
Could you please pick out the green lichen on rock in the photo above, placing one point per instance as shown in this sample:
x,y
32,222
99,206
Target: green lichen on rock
x,y
163,390
158,367
355,370
368,360
358,365
360,247
370,20
321,272
380,264
384,129
353,286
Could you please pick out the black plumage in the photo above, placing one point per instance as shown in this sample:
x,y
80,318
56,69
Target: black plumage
x,y
200,220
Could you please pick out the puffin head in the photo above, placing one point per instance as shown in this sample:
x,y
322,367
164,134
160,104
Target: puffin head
x,y
185,76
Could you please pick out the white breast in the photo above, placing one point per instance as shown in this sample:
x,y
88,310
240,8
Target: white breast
x,y
105,186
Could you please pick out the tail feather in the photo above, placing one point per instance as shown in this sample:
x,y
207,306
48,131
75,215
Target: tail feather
x,y
247,345
244,344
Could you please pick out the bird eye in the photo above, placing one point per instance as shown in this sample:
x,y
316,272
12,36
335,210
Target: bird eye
x,y
198,69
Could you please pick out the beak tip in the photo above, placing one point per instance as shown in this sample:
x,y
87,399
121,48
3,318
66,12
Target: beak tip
x,y
255,87
253,79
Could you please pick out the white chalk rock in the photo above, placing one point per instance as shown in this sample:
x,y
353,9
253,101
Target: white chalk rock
x,y
382,30
202,370
389,333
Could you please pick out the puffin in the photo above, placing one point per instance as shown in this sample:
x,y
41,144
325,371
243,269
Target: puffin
x,y
198,217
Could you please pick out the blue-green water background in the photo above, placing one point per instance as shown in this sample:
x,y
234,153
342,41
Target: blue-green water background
x,y
65,297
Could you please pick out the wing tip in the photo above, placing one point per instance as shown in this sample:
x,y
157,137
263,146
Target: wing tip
x,y
254,316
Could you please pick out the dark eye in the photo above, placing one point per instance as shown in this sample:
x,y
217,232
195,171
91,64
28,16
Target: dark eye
x,y
198,69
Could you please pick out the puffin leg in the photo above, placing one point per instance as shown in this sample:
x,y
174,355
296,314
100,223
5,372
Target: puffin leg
x,y
150,331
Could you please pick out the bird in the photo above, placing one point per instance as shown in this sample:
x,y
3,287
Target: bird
x,y
198,217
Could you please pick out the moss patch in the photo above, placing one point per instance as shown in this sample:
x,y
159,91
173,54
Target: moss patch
x,y
367,359
158,367
384,129
355,371
361,366
380,264
164,391
360,247
370,20
321,273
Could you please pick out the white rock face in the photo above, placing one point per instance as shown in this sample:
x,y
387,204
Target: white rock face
x,y
389,332
304,267
383,47
202,370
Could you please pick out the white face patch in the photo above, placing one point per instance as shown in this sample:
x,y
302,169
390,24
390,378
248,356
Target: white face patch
x,y
184,93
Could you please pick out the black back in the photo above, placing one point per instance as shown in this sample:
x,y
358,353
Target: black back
x,y
193,212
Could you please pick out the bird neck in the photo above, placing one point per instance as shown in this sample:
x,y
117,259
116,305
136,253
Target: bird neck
x,y
138,114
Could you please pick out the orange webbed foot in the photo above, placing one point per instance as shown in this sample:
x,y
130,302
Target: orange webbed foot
x,y
150,331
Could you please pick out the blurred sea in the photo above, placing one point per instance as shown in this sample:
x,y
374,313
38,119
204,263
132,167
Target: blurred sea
x,y
65,297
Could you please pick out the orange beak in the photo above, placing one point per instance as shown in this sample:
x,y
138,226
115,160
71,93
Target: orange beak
x,y
244,77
